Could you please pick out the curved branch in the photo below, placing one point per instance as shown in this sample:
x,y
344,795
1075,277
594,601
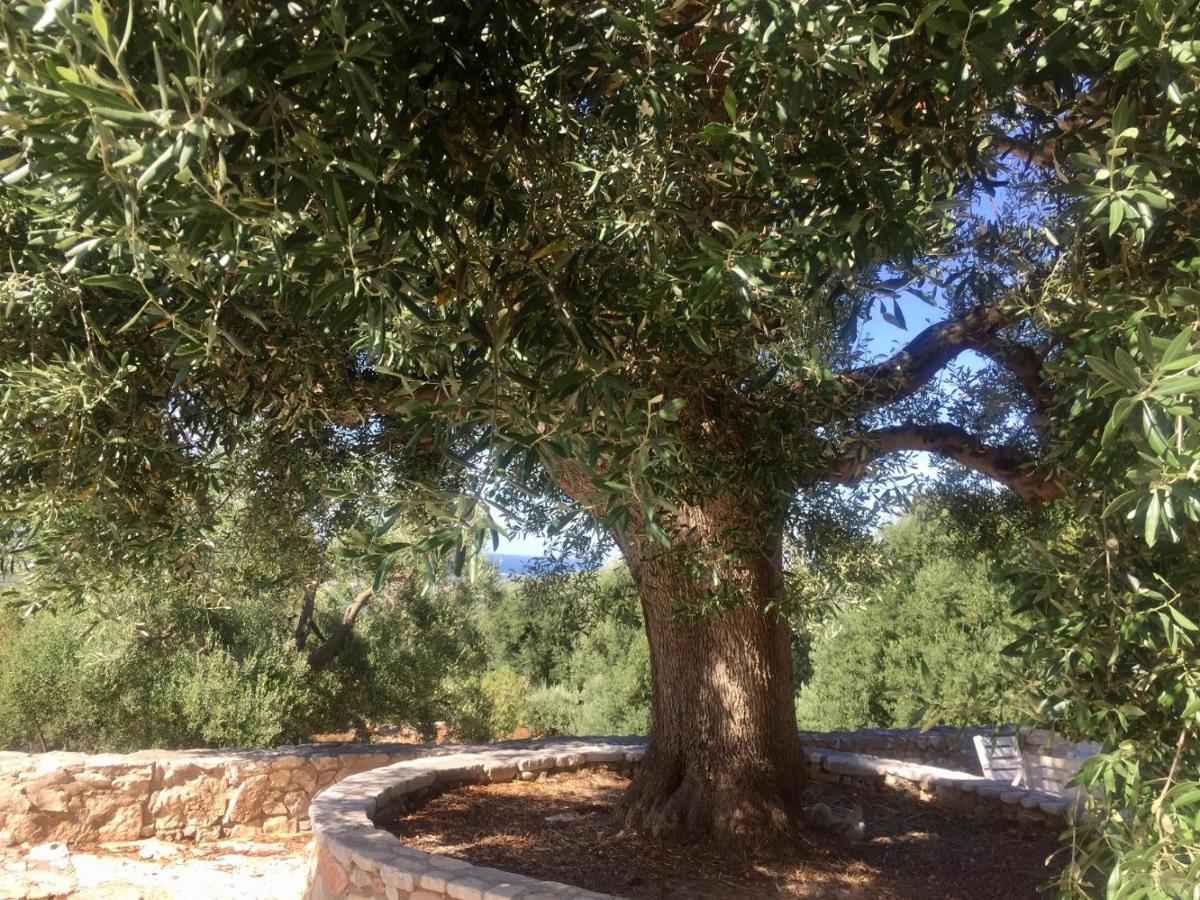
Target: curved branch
x,y
1010,467
913,367
332,646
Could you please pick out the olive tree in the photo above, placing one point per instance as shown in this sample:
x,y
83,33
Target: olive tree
x,y
604,263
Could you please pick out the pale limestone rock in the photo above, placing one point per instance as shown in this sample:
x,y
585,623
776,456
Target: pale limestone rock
x,y
296,803
304,779
278,825
185,804
248,799
120,820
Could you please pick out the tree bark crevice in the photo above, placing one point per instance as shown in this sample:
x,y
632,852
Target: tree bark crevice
x,y
724,759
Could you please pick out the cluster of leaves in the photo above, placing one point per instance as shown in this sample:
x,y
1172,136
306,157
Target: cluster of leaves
x,y
587,234
1112,648
209,657
567,654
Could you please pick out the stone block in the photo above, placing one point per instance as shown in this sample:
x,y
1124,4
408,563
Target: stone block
x,y
499,773
199,801
248,799
333,877
433,881
506,892
465,888
855,766
278,825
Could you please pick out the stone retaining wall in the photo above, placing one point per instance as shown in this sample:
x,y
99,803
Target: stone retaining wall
x,y
944,746
203,794
81,799
353,858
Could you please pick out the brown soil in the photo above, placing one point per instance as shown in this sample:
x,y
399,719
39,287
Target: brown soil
x,y
912,849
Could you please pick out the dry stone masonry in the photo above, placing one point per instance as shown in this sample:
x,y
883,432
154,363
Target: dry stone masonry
x,y
203,795
195,794
355,858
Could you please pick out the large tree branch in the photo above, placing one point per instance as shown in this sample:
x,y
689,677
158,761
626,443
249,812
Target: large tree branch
x,y
929,352
1006,465
332,646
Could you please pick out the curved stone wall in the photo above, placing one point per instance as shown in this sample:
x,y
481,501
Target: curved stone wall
x,y
206,794
943,745
355,858
352,857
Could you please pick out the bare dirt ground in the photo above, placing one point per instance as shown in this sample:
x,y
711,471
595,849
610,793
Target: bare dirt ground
x,y
158,870
562,829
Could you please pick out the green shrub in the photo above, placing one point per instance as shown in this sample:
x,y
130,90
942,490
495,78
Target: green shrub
x,y
261,699
568,655
41,685
923,639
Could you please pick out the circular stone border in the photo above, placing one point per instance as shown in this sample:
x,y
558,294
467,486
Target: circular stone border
x,y
355,858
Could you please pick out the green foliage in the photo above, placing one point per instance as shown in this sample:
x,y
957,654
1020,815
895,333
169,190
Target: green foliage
x,y
532,234
417,657
228,673
920,637
1112,602
568,654
605,688
462,252
40,681
262,699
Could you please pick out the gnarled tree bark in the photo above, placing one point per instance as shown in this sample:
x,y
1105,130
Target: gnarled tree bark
x,y
724,759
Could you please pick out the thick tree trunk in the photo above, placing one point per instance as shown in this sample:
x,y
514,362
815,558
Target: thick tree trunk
x,y
724,759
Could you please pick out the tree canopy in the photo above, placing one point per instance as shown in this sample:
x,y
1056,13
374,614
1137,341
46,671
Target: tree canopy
x,y
530,233
607,265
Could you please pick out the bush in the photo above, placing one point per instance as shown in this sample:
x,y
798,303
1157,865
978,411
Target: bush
x,y
193,672
264,698
568,655
923,639
41,685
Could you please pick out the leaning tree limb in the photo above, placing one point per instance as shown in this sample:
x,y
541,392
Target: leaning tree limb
x,y
304,623
1009,466
332,646
915,365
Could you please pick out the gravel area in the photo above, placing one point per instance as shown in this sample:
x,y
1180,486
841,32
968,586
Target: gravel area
x,y
158,870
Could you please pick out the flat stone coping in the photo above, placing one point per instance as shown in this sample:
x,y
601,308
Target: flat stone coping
x,y
948,787
354,858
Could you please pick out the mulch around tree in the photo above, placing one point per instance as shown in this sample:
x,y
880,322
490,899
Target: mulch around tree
x,y
562,828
